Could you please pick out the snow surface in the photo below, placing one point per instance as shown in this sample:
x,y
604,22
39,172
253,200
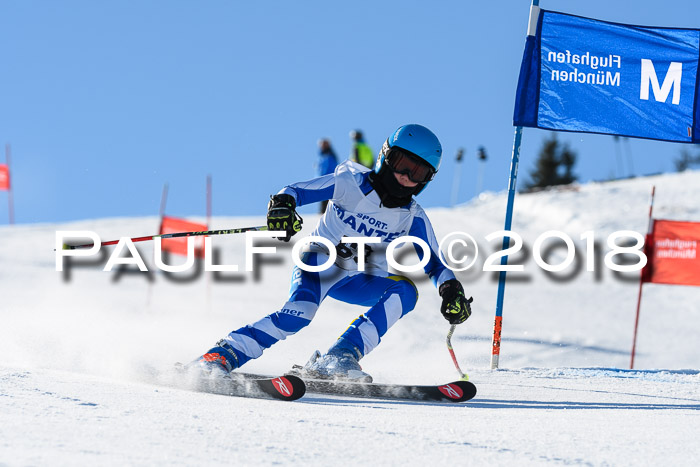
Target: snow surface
x,y
73,348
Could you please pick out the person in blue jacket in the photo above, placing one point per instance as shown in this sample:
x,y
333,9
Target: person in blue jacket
x,y
377,204
326,164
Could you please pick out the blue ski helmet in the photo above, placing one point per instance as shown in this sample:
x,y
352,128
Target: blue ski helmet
x,y
417,140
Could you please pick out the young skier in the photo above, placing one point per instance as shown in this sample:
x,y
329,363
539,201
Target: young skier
x,y
362,202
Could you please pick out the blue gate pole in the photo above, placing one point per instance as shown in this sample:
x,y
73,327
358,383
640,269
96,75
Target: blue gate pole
x,y
498,323
514,161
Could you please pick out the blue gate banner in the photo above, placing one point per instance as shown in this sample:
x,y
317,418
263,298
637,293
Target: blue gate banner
x,y
584,75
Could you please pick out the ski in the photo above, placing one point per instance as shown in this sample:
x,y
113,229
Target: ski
x,y
286,387
456,391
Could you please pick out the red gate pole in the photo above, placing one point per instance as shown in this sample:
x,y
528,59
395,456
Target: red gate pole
x,y
10,200
650,227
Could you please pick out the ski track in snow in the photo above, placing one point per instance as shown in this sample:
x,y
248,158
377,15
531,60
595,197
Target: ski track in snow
x,y
73,354
529,416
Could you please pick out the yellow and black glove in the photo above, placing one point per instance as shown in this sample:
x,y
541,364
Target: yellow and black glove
x,y
455,307
281,215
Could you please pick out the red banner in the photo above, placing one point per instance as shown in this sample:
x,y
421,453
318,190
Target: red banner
x,y
672,251
178,246
4,177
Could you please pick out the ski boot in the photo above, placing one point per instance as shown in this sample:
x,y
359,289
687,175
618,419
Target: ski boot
x,y
339,363
217,362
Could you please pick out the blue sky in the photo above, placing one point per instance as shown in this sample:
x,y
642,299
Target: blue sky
x,y
104,102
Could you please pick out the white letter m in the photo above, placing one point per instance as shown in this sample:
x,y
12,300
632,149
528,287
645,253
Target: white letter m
x,y
672,80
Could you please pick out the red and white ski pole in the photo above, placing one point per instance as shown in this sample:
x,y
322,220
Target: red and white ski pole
x,y
462,375
173,235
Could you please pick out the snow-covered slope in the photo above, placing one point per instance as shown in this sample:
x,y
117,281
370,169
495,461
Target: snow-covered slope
x,y
72,345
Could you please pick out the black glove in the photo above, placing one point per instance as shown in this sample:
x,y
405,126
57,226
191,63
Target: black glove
x,y
455,308
282,216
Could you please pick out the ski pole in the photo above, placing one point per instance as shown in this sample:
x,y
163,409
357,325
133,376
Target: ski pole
x,y
463,376
173,235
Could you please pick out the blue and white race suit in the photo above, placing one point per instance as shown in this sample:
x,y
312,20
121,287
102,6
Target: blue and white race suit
x,y
354,210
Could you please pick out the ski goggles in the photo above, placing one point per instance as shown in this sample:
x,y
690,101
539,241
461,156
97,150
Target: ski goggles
x,y
406,163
